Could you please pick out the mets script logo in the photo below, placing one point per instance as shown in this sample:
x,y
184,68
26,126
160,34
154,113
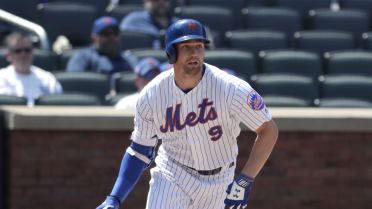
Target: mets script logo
x,y
255,101
192,26
173,119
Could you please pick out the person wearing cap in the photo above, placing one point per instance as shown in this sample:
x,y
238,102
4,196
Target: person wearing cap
x,y
195,109
145,71
104,56
21,78
154,20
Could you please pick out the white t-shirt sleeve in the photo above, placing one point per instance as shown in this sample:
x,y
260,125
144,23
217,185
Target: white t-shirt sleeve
x,y
144,132
248,106
5,86
50,84
54,86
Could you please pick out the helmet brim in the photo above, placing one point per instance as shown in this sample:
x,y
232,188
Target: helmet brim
x,y
190,37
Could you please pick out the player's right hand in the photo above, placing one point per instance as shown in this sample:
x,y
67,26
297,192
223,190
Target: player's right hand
x,y
110,203
238,192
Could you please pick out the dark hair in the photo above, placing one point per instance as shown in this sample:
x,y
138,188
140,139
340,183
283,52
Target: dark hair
x,y
15,36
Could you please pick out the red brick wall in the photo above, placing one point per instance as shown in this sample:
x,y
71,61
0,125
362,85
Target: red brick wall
x,y
62,169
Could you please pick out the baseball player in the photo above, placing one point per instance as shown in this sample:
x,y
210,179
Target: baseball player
x,y
195,109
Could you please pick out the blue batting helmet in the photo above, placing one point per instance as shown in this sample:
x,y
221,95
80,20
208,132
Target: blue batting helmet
x,y
182,30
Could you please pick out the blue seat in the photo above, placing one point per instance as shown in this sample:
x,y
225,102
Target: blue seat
x,y
256,40
291,61
365,5
366,42
243,63
345,91
207,15
300,90
349,62
346,87
68,99
120,11
158,54
12,100
89,83
303,6
113,100
63,58
323,41
124,83
346,20
342,103
277,19
135,39
71,20
98,5
235,5
26,9
131,2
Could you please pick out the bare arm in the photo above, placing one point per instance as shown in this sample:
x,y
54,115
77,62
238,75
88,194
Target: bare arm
x,y
267,135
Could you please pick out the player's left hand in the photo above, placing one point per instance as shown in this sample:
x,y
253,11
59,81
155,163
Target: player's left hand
x,y
238,192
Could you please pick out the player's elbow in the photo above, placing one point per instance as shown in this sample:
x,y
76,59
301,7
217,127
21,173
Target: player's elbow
x,y
269,129
274,130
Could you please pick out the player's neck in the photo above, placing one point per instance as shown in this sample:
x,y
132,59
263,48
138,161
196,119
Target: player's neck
x,y
187,80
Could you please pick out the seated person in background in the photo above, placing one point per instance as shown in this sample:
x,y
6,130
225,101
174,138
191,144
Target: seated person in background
x,y
154,20
165,66
21,78
105,55
145,71
229,71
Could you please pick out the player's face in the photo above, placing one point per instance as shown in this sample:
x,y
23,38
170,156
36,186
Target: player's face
x,y
190,55
20,55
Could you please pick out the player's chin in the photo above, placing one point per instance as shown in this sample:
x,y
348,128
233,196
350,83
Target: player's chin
x,y
193,70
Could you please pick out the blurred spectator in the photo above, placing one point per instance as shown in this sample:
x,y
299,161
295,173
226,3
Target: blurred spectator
x,y
105,55
145,71
21,78
154,20
165,66
229,71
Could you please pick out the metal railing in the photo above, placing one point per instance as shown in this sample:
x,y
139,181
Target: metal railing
x,y
26,25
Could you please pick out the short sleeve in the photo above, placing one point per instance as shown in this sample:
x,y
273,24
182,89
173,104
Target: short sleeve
x,y
77,63
144,132
54,86
3,87
248,106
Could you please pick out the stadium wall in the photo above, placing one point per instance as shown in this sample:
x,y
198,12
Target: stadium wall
x,y
68,157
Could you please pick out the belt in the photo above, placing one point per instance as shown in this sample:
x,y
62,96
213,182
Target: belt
x,y
212,172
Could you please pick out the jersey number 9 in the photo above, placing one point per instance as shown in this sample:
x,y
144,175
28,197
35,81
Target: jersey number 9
x,y
215,132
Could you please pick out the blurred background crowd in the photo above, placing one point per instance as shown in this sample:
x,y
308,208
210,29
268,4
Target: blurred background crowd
x,y
296,53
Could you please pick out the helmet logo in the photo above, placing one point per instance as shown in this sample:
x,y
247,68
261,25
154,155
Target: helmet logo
x,y
192,26
106,20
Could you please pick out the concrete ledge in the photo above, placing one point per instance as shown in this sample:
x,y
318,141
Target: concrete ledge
x,y
67,118
107,118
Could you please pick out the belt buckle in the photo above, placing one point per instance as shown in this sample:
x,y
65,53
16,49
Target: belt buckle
x,y
210,172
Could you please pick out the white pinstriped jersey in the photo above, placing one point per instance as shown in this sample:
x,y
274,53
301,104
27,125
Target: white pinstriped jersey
x,y
199,128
